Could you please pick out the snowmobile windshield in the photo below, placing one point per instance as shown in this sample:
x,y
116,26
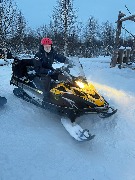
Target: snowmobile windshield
x,y
71,69
75,68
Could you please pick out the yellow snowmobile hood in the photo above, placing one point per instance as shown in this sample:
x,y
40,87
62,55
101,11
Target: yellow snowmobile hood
x,y
83,90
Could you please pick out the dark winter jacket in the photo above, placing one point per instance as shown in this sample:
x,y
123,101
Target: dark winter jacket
x,y
43,61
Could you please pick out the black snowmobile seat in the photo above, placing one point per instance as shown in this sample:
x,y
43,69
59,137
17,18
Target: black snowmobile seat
x,y
20,67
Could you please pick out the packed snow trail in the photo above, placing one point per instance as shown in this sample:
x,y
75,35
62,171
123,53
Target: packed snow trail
x,y
34,144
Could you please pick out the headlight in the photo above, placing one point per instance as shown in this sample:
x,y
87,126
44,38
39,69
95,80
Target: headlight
x,y
80,84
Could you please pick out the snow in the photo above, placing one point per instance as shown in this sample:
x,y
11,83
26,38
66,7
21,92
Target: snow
x,y
5,62
35,146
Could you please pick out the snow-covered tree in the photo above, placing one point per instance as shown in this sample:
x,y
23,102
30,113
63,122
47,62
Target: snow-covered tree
x,y
31,41
45,31
20,31
8,11
91,37
64,20
107,37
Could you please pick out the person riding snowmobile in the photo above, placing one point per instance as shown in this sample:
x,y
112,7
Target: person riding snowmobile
x,y
70,97
43,61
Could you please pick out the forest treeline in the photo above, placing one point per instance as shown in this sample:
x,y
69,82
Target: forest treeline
x,y
69,36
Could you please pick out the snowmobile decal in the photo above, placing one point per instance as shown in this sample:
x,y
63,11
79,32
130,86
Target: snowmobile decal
x,y
87,93
61,89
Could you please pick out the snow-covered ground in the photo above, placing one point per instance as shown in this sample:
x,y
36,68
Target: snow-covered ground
x,y
35,146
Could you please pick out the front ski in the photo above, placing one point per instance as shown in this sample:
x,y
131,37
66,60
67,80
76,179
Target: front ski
x,y
76,131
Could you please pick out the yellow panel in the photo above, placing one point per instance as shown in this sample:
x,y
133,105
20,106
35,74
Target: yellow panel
x,y
88,90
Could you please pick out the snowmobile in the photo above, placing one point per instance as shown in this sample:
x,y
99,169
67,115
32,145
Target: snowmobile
x,y
70,96
3,101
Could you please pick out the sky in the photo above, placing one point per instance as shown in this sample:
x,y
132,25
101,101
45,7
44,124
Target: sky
x,y
39,12
35,146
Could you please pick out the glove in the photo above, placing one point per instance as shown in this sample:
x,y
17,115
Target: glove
x,y
50,72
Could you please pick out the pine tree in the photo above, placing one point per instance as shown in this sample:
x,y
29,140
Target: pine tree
x,y
91,37
107,37
8,11
64,20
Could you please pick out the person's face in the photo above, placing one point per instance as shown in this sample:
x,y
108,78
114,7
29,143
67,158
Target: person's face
x,y
47,48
